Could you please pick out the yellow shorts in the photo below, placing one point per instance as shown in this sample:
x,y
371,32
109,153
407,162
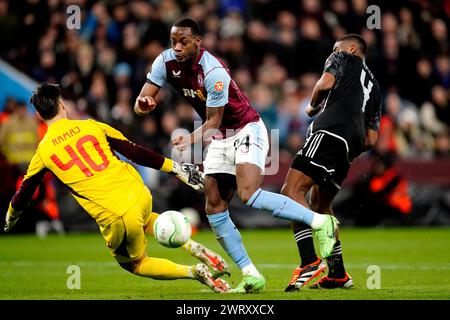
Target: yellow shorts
x,y
125,237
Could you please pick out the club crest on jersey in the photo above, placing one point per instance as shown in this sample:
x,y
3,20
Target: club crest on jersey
x,y
176,74
200,80
218,86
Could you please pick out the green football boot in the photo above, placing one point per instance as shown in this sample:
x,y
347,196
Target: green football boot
x,y
250,284
326,236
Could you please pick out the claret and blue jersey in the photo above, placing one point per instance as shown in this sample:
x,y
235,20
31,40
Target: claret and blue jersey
x,y
205,83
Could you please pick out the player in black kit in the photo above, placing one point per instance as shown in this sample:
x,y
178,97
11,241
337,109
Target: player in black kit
x,y
347,98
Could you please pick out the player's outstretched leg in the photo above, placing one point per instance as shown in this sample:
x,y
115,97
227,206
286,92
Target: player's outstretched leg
x,y
213,260
324,226
163,269
231,241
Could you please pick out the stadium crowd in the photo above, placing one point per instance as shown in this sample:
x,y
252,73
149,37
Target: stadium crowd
x,y
275,51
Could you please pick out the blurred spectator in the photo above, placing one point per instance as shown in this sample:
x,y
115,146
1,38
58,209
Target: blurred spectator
x,y
232,25
435,113
122,112
257,43
8,108
407,34
122,73
418,86
412,141
97,98
439,37
9,24
149,134
99,26
263,101
85,60
285,37
443,70
19,137
106,60
442,141
312,50
271,73
382,194
169,11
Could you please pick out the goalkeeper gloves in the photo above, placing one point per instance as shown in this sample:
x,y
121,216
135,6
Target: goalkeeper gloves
x,y
189,174
11,218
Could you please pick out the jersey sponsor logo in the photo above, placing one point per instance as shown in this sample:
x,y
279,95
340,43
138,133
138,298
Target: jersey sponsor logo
x,y
216,95
176,74
194,94
200,80
200,95
189,93
218,86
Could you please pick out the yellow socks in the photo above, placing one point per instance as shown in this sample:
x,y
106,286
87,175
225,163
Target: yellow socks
x,y
163,269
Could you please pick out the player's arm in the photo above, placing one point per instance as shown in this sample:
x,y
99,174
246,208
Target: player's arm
x,y
156,78
188,173
331,72
145,102
214,117
23,195
371,139
217,83
320,92
372,115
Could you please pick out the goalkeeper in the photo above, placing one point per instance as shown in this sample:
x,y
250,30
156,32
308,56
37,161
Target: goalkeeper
x,y
81,153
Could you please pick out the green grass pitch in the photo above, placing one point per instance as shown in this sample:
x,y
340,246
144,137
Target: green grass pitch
x,y
414,264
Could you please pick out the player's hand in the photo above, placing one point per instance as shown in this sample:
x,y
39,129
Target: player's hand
x,y
311,111
189,174
144,105
11,218
182,142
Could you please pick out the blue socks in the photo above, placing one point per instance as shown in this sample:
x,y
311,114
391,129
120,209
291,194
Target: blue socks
x,y
281,206
229,238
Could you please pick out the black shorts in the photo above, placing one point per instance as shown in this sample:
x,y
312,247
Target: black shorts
x,y
324,158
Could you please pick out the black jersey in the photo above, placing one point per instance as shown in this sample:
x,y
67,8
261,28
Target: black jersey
x,y
353,104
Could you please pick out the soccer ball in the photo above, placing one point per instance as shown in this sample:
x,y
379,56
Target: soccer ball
x,y
172,229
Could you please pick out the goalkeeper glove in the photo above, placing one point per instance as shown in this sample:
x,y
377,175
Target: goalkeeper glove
x,y
11,218
189,174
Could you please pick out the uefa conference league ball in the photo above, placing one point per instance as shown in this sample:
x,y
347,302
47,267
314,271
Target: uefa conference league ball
x,y
172,229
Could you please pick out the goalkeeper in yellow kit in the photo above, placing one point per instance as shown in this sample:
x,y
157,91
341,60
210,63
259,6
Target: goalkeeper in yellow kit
x,y
80,153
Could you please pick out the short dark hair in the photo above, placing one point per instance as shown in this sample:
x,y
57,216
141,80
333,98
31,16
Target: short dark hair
x,y
45,100
188,23
362,44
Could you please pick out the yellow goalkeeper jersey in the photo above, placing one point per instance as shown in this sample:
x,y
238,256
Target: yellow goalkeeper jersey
x,y
79,154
